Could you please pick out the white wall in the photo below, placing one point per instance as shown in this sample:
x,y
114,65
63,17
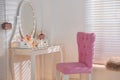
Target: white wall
x,y
62,19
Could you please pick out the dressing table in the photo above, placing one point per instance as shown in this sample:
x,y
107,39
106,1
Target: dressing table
x,y
32,53
25,38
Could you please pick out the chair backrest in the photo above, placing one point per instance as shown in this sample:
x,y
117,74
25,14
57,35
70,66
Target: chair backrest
x,y
85,43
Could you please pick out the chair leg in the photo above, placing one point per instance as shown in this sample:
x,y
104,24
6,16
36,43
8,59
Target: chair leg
x,y
58,75
90,76
65,77
80,77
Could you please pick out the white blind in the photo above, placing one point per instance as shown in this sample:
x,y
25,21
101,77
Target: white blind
x,y
103,18
2,43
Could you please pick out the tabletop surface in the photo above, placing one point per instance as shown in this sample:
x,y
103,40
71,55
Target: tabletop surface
x,y
35,51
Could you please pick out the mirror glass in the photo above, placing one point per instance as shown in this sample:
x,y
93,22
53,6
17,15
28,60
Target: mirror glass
x,y
27,19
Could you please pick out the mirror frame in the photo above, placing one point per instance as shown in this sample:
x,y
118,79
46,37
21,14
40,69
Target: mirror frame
x,y
22,3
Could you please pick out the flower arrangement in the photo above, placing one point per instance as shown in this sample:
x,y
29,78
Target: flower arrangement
x,y
29,41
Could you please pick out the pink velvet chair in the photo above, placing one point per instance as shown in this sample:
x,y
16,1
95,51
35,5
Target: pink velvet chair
x,y
85,43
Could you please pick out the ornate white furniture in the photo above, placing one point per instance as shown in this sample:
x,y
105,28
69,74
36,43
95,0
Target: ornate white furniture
x,y
32,53
25,38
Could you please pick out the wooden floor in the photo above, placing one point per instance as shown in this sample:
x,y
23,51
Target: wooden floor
x,y
74,79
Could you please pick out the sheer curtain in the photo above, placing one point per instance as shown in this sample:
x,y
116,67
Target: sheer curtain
x,y
103,18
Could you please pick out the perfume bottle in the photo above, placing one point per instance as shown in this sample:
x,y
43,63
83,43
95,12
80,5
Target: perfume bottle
x,y
41,36
42,43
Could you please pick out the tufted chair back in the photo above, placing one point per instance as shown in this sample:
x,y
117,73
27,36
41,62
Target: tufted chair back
x,y
85,47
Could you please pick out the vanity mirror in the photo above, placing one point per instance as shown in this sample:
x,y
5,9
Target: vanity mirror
x,y
26,18
25,26
25,35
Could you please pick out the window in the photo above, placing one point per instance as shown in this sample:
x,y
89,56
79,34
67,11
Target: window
x,y
103,18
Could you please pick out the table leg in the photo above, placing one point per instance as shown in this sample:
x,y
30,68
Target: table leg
x,y
33,65
43,66
61,55
11,64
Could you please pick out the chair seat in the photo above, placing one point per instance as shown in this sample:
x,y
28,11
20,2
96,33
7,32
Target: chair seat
x,y
73,67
